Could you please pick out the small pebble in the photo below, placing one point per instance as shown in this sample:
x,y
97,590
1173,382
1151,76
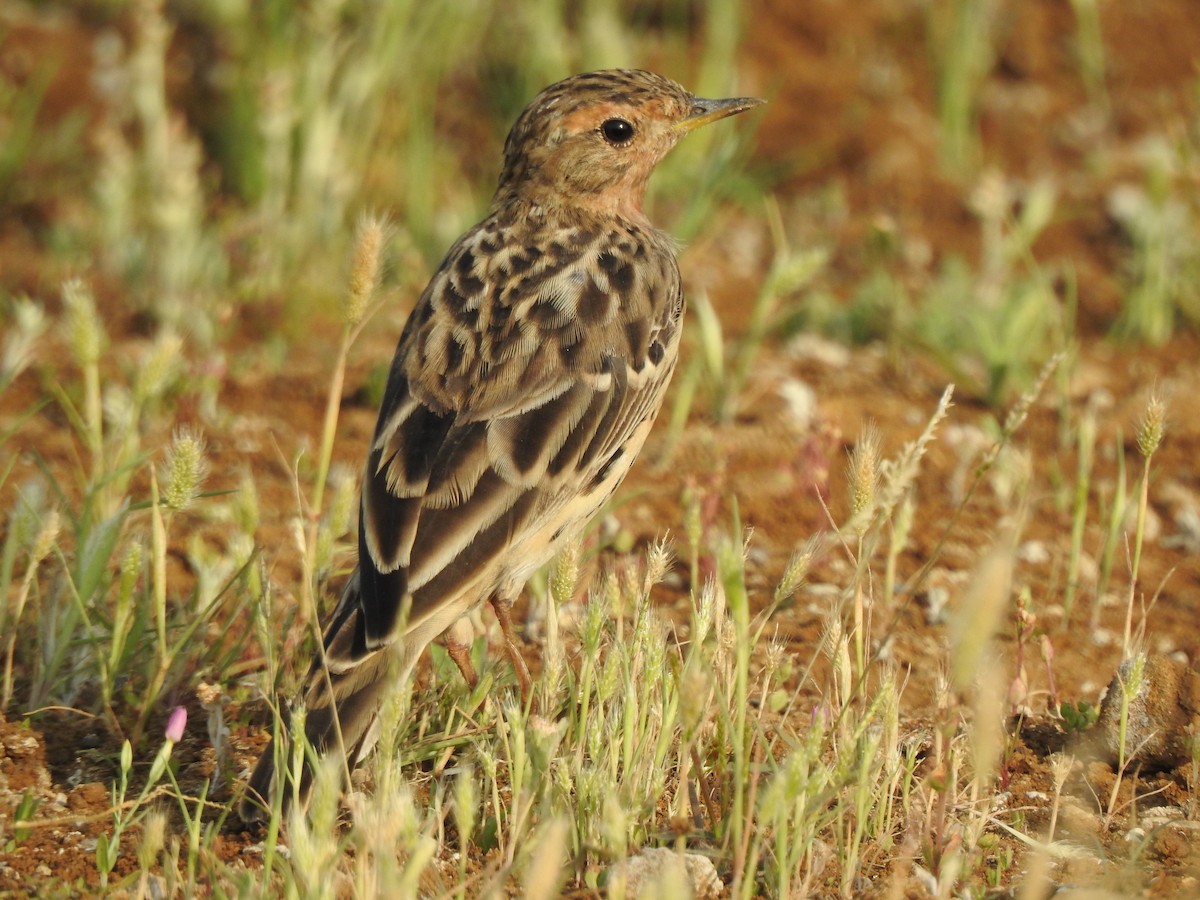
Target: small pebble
x,y
661,868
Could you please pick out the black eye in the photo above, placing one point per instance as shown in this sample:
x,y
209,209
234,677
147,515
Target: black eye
x,y
617,131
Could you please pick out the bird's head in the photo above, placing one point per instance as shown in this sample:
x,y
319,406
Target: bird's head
x,y
592,140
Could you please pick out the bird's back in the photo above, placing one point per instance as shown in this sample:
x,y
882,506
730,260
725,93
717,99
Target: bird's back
x,y
524,385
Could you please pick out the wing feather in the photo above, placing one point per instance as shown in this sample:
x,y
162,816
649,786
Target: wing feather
x,y
481,451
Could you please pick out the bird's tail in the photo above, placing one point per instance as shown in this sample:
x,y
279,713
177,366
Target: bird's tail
x,y
341,700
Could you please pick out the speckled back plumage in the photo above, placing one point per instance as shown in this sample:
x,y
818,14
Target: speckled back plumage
x,y
523,387
527,378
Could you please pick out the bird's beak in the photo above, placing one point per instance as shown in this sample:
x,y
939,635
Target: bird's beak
x,y
705,111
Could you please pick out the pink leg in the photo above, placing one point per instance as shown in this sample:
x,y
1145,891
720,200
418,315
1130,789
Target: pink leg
x,y
457,641
503,610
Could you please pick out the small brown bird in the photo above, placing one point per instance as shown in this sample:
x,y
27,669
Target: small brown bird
x,y
523,387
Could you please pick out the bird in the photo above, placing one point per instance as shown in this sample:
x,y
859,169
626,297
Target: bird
x,y
523,386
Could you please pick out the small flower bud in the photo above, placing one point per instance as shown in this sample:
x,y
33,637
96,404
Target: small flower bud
x,y
175,724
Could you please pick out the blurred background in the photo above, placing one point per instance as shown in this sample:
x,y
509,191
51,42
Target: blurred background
x,y
937,191
1033,164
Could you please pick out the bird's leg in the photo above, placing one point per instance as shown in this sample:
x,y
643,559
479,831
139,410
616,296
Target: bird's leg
x,y
502,607
457,641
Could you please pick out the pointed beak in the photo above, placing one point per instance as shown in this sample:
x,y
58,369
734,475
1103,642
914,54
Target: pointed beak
x,y
705,111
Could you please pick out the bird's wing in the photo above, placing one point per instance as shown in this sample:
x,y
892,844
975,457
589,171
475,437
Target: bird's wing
x,y
520,376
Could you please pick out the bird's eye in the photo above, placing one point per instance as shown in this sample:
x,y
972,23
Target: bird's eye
x,y
617,131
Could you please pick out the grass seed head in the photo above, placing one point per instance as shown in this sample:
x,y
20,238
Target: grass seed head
x,y
28,324
185,469
466,803
160,367
863,473
658,562
154,831
565,574
85,334
369,238
47,536
1152,427
797,570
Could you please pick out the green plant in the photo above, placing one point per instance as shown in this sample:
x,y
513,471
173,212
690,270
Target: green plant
x,y
1161,271
1089,51
1130,685
996,325
127,813
1078,716
960,36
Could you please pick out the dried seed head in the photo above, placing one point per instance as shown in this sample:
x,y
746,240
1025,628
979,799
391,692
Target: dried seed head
x,y
185,469
466,802
344,481
119,408
27,325
695,696
596,614
705,611
154,833
863,472
323,806
614,823
1020,410
610,679
1131,675
208,694
776,656
1060,768
544,738
565,575
1152,427
796,571
131,563
46,537
370,236
658,562
980,611
160,366
488,762
84,331
245,504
